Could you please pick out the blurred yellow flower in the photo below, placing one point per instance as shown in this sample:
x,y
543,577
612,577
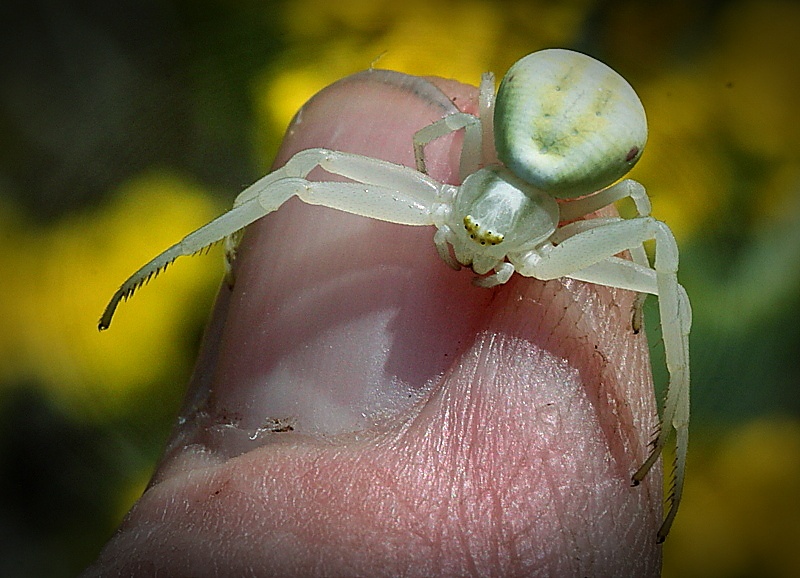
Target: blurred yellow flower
x,y
451,39
60,278
741,510
757,62
683,168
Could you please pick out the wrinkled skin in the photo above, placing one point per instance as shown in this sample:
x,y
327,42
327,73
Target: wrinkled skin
x,y
502,426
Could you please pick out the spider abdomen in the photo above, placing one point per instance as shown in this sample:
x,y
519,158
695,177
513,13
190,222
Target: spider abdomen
x,y
567,123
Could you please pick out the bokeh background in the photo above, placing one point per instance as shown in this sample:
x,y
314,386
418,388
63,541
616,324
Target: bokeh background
x,y
123,125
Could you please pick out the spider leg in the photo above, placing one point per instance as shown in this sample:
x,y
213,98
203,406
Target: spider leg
x,y
210,233
676,407
586,251
442,239
624,274
628,188
477,148
381,190
470,149
355,167
502,273
486,99
577,208
620,273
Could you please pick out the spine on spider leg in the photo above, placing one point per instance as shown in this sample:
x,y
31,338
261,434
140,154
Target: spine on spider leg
x,y
656,445
141,277
210,233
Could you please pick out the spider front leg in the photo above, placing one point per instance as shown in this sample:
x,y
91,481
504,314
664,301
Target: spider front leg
x,y
470,158
220,228
378,189
586,250
477,148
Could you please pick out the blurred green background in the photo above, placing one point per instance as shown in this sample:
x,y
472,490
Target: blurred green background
x,y
124,125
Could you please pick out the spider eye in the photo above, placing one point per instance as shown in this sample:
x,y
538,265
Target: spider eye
x,y
477,234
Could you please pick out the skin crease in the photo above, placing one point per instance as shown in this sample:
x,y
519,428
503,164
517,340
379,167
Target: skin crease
x,y
516,415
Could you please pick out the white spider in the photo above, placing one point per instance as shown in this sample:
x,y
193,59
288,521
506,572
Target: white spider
x,y
564,126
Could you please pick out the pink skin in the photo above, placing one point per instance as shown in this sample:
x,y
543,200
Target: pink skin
x,y
438,428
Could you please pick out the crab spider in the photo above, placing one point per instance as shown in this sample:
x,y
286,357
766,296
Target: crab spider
x,y
562,128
